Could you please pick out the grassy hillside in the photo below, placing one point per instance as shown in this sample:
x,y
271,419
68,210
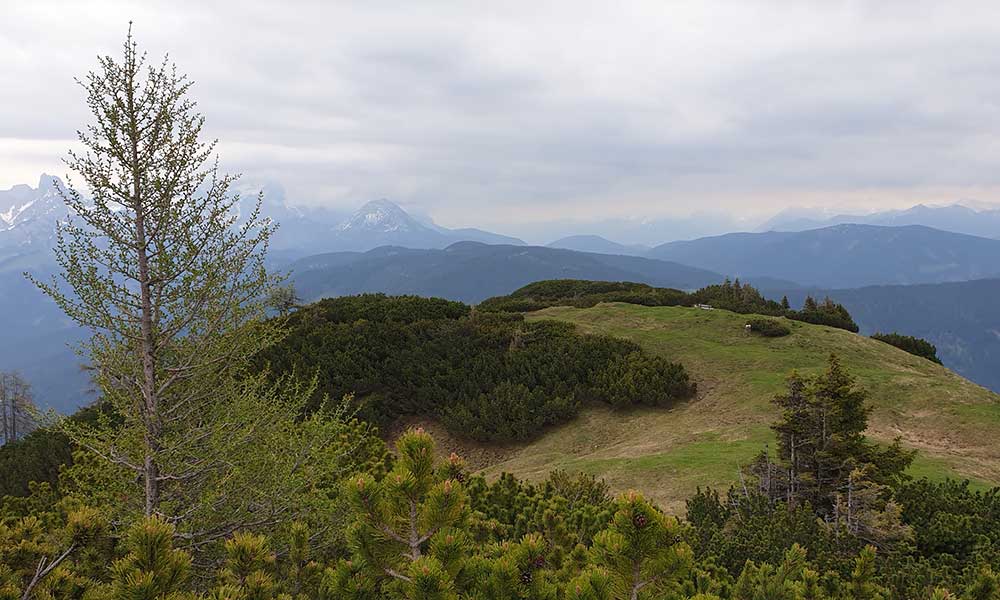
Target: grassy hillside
x,y
668,453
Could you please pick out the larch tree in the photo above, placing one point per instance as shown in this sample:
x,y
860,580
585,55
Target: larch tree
x,y
171,280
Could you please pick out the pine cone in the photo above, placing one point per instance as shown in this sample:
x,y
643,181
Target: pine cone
x,y
640,521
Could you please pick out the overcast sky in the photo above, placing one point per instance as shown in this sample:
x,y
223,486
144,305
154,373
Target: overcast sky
x,y
500,114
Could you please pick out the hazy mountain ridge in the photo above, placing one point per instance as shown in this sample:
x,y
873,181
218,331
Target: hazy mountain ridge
x,y
957,218
28,218
596,243
843,256
333,253
472,271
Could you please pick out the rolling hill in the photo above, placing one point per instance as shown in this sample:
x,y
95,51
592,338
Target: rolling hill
x,y
667,453
843,256
962,319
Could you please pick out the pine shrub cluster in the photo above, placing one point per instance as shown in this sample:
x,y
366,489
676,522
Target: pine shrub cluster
x,y
769,327
488,376
734,296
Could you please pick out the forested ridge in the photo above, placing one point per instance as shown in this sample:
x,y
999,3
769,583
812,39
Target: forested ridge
x,y
827,515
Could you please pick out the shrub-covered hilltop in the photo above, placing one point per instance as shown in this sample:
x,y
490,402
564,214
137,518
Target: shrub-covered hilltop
x,y
729,295
952,421
488,376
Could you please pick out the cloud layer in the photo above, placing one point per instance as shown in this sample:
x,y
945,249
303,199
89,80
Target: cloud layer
x,y
508,114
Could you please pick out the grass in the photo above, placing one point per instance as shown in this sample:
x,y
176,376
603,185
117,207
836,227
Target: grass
x,y
668,453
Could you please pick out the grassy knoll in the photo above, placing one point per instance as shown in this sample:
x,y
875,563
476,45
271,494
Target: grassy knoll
x,y
668,453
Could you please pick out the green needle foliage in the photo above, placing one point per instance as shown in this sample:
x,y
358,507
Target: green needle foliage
x,y
171,280
642,550
412,510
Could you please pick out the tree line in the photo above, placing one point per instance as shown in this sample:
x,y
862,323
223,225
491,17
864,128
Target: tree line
x,y
914,345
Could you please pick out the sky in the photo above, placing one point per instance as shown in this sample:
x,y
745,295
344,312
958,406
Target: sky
x,y
509,115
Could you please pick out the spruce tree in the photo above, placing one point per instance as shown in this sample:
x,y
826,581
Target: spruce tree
x,y
821,433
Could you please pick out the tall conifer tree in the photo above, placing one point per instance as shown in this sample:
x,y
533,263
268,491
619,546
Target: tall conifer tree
x,y
171,280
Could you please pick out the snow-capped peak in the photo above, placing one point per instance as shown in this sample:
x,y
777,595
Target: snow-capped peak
x,y
380,216
22,203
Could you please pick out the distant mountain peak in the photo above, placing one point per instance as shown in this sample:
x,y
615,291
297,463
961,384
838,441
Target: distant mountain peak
x,y
46,181
596,243
22,203
381,216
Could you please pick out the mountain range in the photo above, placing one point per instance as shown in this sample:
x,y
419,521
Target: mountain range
x,y
384,223
382,248
27,223
473,271
956,218
843,256
28,219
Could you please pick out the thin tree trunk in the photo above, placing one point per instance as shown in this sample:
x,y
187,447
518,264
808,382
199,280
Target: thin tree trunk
x,y
147,347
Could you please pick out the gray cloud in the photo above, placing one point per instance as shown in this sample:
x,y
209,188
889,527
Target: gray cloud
x,y
509,115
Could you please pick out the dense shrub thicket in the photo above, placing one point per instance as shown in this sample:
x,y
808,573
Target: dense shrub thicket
x,y
35,457
489,376
583,294
427,529
913,345
729,295
769,327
